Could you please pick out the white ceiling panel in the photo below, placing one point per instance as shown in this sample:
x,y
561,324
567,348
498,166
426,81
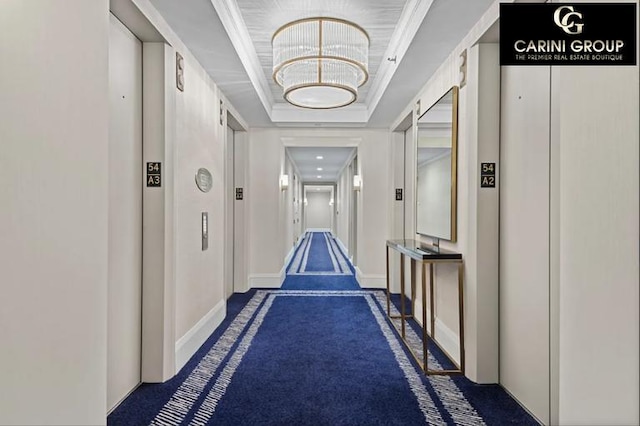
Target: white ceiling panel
x,y
333,161
232,41
263,17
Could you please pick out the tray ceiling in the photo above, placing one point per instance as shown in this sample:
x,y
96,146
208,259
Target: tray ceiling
x,y
232,41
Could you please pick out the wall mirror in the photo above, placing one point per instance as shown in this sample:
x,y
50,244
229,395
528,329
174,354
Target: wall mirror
x,y
436,171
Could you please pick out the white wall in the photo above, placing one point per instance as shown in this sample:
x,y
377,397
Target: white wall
x,y
267,206
372,209
595,243
477,209
62,225
199,142
343,206
53,215
266,234
292,211
524,237
124,303
586,238
240,210
194,138
318,211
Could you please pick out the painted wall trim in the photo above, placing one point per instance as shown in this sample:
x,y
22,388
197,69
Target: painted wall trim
x,y
447,338
189,344
342,247
265,280
287,259
370,280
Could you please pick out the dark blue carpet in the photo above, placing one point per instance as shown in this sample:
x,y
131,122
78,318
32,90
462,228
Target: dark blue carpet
x,y
320,282
315,359
146,401
319,259
315,371
491,401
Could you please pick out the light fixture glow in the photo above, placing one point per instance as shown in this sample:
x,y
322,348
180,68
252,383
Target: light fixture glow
x,y
284,182
357,182
319,177
320,62
319,157
319,169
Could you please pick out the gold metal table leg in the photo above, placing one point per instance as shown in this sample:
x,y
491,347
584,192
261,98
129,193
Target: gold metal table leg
x,y
413,288
402,311
388,286
425,336
432,302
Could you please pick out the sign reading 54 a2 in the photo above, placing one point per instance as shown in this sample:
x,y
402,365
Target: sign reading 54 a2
x,y
487,175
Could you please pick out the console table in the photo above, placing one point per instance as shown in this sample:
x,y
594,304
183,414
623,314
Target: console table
x,y
426,254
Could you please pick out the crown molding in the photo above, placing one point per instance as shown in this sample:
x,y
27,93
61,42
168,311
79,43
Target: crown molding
x,y
410,21
234,25
355,114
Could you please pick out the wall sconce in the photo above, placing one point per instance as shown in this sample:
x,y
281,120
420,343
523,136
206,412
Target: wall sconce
x,y
331,202
357,182
305,201
284,182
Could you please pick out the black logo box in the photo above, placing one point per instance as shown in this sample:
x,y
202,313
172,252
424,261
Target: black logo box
x,y
535,21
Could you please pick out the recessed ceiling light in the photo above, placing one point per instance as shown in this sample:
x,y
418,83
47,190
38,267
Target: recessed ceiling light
x,y
319,177
319,157
319,169
317,189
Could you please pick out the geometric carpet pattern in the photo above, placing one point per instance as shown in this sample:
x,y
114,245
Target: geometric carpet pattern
x,y
454,405
327,257
318,351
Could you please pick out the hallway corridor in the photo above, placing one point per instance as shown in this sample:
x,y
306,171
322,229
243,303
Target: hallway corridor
x,y
319,351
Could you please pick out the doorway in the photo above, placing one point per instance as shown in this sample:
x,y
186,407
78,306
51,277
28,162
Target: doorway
x,y
318,211
124,327
353,212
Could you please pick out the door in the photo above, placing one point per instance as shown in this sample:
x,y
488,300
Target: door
x,y
353,223
524,217
229,214
125,213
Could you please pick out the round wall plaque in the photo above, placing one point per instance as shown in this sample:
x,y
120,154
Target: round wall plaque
x,y
204,180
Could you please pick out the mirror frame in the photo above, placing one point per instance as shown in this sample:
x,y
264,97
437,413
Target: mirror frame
x,y
454,167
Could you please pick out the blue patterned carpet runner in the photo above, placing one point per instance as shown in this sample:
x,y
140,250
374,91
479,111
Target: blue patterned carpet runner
x,y
322,354
319,254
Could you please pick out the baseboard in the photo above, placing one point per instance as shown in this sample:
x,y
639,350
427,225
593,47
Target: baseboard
x,y
265,280
289,256
447,338
370,280
189,344
342,247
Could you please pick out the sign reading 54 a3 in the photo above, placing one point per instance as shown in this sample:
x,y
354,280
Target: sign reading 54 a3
x,y
154,174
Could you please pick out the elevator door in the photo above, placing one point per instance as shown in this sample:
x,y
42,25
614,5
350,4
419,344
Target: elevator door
x,y
125,213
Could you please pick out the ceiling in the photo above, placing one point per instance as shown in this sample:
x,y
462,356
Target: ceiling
x,y
409,39
232,41
318,188
332,162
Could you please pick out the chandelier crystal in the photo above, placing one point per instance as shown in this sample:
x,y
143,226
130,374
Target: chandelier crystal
x,y
320,62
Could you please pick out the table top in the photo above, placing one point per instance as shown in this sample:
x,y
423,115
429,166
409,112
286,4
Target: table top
x,y
421,251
